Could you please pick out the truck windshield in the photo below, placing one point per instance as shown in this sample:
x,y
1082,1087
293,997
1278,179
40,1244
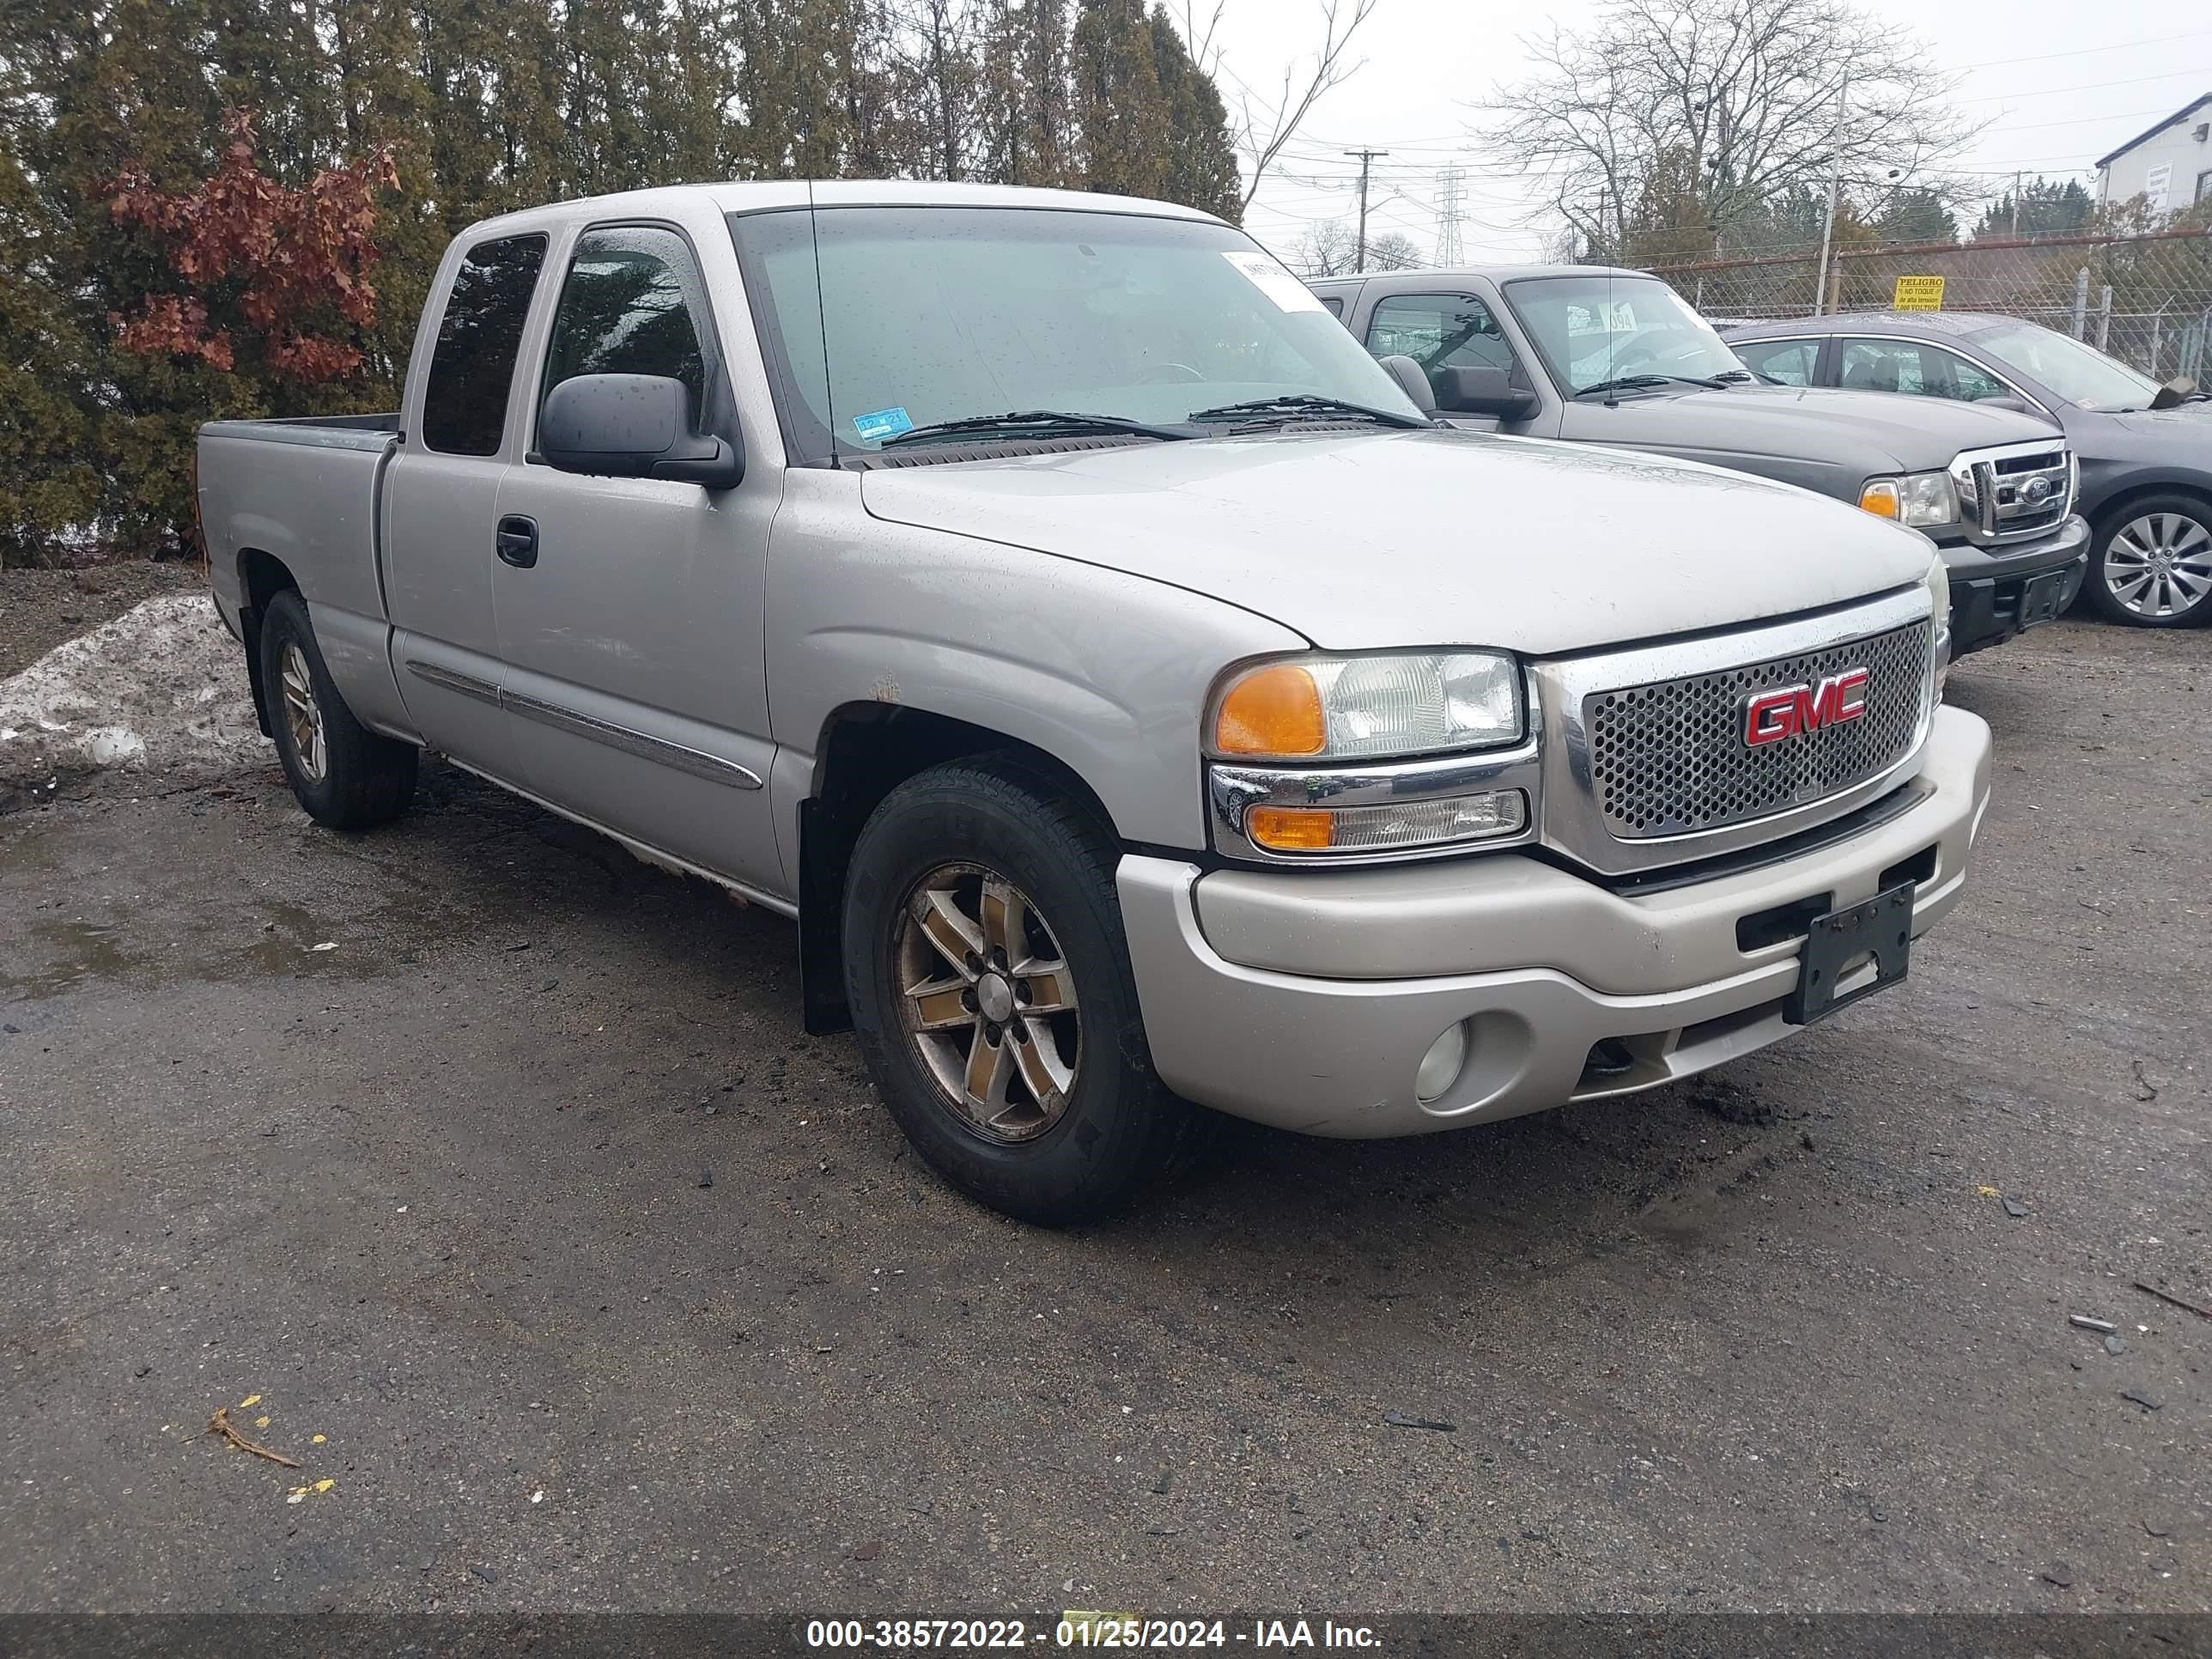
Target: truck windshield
x,y
2077,372
1594,330
937,314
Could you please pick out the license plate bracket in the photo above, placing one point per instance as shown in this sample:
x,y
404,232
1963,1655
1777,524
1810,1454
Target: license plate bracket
x,y
1882,927
2041,597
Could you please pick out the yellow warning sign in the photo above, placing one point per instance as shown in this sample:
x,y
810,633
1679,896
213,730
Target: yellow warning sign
x,y
1918,293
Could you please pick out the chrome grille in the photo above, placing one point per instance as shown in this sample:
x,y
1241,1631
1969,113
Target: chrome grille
x,y
2014,491
1669,758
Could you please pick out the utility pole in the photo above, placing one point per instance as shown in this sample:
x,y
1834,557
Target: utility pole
x,y
1835,190
1448,186
1604,249
2015,206
1367,158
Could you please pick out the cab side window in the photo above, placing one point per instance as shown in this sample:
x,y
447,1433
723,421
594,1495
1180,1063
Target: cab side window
x,y
632,303
472,365
1439,331
1790,361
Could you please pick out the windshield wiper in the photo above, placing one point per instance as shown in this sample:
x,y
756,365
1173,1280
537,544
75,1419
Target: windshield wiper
x,y
1631,382
1300,405
1051,421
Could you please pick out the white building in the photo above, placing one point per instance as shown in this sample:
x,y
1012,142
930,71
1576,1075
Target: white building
x,y
2171,164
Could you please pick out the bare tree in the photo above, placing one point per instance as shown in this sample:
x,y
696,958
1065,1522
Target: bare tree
x,y
1331,248
1393,251
1686,116
1262,129
1328,249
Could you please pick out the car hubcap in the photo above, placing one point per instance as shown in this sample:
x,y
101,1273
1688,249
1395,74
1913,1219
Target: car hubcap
x,y
987,1002
2160,564
303,715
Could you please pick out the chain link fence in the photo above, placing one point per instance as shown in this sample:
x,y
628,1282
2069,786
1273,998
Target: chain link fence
x,y
2146,300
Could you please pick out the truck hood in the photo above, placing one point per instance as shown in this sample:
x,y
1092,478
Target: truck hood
x,y
1370,540
1857,434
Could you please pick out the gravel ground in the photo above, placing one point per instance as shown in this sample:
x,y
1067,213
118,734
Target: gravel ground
x,y
40,608
576,1277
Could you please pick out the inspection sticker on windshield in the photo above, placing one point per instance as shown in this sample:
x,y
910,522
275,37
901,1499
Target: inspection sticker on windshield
x,y
884,423
1288,293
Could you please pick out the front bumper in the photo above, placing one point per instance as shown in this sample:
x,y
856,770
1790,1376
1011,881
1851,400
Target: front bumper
x,y
1307,1000
1987,582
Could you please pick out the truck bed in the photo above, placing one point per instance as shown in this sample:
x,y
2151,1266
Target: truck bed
x,y
307,494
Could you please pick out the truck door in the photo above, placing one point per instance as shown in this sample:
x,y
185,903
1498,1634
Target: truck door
x,y
632,632
441,501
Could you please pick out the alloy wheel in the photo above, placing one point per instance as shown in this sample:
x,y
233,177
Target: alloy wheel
x,y
2159,565
303,715
988,1002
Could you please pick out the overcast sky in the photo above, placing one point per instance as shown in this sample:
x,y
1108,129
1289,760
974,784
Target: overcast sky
x,y
2062,82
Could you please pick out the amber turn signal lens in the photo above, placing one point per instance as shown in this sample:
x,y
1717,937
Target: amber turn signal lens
x,y
1880,499
1290,828
1271,711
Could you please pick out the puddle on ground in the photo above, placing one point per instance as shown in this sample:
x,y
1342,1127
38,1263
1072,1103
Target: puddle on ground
x,y
83,951
290,933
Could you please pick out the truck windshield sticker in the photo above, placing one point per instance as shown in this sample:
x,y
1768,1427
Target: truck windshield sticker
x,y
1288,293
884,423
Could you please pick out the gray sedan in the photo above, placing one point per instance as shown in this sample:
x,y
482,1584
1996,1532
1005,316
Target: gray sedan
x,y
2146,450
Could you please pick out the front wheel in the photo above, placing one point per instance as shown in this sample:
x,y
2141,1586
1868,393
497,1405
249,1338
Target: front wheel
x,y
2152,563
991,990
346,776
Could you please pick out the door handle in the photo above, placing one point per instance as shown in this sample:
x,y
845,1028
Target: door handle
x,y
516,541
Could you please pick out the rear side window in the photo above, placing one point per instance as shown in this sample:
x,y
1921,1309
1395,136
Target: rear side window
x,y
473,367
633,304
1789,361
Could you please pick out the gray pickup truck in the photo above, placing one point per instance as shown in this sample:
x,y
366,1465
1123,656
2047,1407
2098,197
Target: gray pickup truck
x,y
1605,357
1040,598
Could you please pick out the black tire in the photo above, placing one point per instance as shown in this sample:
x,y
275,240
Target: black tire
x,y
1118,1128
2177,511
366,780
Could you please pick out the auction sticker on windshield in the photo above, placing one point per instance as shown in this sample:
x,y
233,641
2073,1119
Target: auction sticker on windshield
x,y
1288,293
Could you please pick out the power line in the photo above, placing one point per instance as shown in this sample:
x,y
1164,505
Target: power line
x,y
2116,45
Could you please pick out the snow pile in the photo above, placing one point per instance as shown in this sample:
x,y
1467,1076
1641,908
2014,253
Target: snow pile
x,y
163,685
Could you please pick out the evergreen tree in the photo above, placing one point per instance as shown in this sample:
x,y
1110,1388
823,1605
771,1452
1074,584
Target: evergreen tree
x,y
1201,170
2044,206
1119,110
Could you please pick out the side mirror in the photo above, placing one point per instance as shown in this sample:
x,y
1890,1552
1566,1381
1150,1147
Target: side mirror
x,y
2174,393
633,426
1484,391
1413,383
2007,400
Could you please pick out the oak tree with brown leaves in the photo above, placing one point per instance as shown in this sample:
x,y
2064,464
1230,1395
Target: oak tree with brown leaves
x,y
265,267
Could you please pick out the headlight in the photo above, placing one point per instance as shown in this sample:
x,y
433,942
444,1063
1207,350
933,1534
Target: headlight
x,y
1939,612
1368,707
1918,499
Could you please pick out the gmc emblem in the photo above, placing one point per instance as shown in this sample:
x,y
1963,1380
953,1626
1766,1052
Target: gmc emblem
x,y
1792,711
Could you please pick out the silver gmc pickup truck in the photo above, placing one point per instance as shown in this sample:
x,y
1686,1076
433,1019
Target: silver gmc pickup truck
x,y
1044,600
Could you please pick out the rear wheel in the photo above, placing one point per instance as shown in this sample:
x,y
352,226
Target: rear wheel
x,y
346,776
2151,566
991,990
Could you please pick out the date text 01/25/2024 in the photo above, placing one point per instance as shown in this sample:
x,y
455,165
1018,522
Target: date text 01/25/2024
x,y
1088,1629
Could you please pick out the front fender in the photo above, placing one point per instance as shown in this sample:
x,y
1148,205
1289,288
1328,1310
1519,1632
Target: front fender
x,y
1105,671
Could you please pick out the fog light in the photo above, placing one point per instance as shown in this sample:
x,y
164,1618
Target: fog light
x,y
1441,1065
